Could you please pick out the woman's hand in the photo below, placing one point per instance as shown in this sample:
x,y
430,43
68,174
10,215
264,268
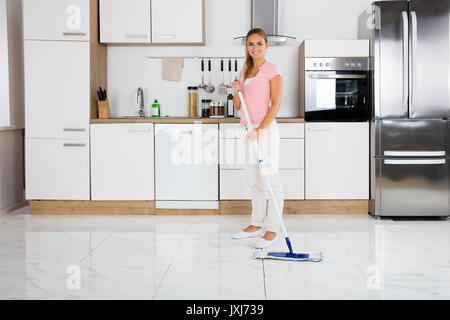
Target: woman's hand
x,y
236,85
254,134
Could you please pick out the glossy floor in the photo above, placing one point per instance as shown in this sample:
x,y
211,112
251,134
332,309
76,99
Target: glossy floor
x,y
194,257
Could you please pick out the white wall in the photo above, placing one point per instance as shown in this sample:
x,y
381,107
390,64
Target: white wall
x,y
11,168
4,72
128,67
11,64
11,104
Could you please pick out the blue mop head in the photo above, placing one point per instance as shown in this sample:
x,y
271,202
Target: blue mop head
x,y
265,254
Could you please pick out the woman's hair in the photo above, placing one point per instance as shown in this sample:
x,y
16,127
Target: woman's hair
x,y
248,64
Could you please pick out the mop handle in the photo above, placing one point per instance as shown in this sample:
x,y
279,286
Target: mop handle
x,y
261,160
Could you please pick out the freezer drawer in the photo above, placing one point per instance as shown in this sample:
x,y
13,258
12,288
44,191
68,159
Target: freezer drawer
x,y
418,136
412,187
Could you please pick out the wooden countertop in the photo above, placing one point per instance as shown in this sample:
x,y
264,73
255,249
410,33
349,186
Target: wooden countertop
x,y
185,120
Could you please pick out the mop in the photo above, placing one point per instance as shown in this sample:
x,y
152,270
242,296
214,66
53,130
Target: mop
x,y
265,253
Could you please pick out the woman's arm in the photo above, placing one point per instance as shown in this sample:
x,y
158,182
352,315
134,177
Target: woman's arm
x,y
236,100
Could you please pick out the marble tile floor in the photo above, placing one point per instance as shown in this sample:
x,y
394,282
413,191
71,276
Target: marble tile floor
x,y
194,257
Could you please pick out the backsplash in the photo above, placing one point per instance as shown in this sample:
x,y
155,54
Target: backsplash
x,y
129,67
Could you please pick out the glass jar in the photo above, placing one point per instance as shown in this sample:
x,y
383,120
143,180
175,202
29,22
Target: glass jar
x,y
205,108
211,108
220,109
192,101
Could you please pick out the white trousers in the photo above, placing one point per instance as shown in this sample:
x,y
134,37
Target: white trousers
x,y
264,214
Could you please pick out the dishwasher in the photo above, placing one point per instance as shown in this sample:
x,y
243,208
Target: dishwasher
x,y
186,166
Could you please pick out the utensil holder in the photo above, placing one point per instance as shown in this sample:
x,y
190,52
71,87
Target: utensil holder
x,y
103,110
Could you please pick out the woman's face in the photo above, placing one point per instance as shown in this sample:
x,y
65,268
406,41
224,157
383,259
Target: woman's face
x,y
256,45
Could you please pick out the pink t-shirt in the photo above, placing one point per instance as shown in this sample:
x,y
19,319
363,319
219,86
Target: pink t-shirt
x,y
257,93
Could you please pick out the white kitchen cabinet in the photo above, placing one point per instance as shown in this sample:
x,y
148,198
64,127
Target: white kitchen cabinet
x,y
233,180
337,160
177,21
56,20
125,21
57,169
292,155
57,89
234,185
122,161
293,184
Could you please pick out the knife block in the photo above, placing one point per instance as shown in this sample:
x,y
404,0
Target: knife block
x,y
103,110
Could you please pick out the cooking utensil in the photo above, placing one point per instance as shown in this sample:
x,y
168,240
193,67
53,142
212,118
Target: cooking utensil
x,y
235,71
229,73
203,85
210,87
222,86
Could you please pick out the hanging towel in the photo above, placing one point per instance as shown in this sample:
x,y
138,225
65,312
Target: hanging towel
x,y
172,68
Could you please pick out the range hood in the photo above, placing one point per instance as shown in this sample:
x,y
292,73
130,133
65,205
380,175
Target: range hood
x,y
265,16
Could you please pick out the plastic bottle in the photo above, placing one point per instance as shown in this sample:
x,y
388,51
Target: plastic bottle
x,y
156,109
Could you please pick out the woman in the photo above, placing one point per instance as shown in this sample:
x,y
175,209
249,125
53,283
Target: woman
x,y
261,85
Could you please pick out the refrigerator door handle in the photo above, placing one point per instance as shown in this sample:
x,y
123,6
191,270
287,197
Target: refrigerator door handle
x,y
415,161
405,58
413,54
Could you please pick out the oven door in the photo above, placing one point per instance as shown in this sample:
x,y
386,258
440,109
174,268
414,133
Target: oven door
x,y
337,96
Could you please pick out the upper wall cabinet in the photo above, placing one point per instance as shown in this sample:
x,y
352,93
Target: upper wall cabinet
x,y
125,21
178,21
57,19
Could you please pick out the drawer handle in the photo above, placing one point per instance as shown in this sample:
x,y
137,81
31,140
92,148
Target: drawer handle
x,y
74,144
140,130
414,161
74,129
74,34
165,36
136,36
319,129
414,153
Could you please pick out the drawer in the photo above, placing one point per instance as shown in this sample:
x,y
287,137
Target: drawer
x,y
292,153
231,131
234,185
57,169
233,153
291,130
293,184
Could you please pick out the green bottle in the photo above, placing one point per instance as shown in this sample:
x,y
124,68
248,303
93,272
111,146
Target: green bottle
x,y
156,109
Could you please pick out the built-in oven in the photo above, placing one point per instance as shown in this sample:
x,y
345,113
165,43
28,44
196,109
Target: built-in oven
x,y
337,89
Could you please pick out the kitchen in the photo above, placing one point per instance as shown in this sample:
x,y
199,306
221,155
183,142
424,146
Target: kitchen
x,y
120,165
99,178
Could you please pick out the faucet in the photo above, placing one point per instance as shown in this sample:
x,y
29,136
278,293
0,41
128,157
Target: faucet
x,y
140,102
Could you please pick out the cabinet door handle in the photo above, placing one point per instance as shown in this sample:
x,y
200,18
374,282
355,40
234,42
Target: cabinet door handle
x,y
74,129
165,36
319,129
74,145
74,34
140,130
136,36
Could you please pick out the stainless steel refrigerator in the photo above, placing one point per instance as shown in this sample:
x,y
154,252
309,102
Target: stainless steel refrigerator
x,y
410,107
